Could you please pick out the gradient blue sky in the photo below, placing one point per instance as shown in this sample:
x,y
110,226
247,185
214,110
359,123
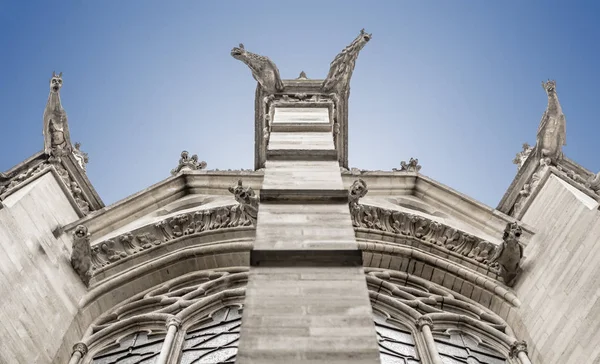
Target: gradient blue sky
x,y
453,83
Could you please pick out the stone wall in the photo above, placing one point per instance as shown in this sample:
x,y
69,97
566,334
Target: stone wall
x,y
559,288
39,290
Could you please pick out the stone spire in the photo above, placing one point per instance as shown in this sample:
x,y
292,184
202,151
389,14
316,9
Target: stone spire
x,y
264,70
551,134
57,140
340,71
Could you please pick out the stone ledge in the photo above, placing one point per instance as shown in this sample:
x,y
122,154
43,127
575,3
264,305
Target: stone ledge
x,y
304,196
302,154
306,258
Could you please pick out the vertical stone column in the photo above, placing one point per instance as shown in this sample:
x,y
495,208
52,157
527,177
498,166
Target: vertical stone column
x,y
307,298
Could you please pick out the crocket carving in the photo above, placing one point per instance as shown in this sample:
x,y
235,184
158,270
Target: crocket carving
x,y
340,71
57,139
551,134
264,70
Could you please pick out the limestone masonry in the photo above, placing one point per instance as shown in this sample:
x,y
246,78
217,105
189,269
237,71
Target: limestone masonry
x,y
302,259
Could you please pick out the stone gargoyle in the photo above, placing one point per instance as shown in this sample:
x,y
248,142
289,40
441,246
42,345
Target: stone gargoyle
x,y
81,255
264,70
507,258
551,134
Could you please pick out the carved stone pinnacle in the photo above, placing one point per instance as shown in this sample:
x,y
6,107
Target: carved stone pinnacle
x,y
80,348
424,321
517,347
302,76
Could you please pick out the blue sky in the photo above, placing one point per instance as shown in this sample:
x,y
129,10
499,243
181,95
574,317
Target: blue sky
x,y
456,84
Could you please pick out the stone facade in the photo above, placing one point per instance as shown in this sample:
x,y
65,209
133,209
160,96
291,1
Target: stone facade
x,y
301,259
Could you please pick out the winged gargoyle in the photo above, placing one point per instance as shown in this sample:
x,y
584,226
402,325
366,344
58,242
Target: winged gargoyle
x,y
340,71
264,70
551,134
508,255
57,139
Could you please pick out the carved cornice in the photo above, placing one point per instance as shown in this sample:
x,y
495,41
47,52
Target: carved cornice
x,y
518,347
124,246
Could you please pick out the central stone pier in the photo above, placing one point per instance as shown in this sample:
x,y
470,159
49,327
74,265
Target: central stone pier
x,y
307,299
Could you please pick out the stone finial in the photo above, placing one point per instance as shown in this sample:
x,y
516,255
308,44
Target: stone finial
x,y
411,166
263,70
551,134
57,139
188,163
424,321
522,155
81,256
342,66
80,348
246,197
508,255
357,191
518,347
302,76
80,156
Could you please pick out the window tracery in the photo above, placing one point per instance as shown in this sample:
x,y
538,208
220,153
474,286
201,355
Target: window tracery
x,y
455,347
138,348
396,345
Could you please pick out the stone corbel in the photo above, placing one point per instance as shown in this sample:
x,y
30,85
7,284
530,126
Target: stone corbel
x,y
519,350
79,351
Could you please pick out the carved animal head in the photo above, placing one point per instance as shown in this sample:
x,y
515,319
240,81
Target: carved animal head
x,y
239,53
56,82
184,155
81,232
263,70
364,37
512,232
549,87
357,190
243,195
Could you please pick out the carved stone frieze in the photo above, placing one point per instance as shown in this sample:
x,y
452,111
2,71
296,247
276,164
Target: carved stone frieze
x,y
128,244
522,155
188,163
507,256
411,166
11,183
551,134
247,200
421,228
81,255
263,70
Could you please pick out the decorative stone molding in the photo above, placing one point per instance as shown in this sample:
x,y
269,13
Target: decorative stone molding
x,y
367,218
81,255
522,155
173,321
424,321
518,347
507,256
551,134
187,163
148,237
342,66
247,200
16,180
411,166
80,348
264,70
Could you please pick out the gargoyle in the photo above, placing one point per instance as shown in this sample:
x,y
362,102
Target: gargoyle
x,y
81,256
357,191
551,134
57,139
246,197
593,182
508,255
264,70
340,70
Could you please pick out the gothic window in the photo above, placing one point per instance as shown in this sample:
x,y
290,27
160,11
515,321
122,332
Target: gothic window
x,y
457,348
138,348
215,341
396,345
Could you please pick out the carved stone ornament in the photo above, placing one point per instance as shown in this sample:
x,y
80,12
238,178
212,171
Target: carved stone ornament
x,y
81,256
411,166
357,191
57,139
263,70
80,348
342,66
246,198
188,163
593,183
302,76
551,134
517,347
424,321
522,155
173,321
81,157
508,255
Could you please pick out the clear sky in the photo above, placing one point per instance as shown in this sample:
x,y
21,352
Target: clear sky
x,y
456,84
